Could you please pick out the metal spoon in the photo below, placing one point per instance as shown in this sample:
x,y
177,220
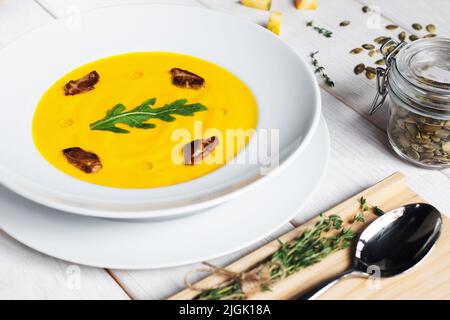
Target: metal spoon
x,y
392,244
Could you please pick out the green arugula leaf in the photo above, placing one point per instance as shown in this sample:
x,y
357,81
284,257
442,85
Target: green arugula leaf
x,y
136,117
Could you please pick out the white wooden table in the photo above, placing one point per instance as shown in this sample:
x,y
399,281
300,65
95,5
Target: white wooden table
x,y
360,153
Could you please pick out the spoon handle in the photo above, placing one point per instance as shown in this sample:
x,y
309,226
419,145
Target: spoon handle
x,y
324,286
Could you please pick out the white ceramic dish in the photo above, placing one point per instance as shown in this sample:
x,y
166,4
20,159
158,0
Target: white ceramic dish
x,y
145,245
286,90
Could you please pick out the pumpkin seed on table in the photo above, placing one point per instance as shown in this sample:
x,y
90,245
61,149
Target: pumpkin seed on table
x,y
417,26
359,68
431,28
430,35
344,23
380,62
381,40
413,37
402,36
371,73
368,46
365,9
391,27
372,53
356,50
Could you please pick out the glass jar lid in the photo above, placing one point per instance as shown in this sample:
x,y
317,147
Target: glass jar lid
x,y
420,76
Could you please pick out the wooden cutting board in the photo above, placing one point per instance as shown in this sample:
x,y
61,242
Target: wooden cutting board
x,y
429,280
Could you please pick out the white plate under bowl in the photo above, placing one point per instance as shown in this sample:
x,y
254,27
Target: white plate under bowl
x,y
283,84
145,245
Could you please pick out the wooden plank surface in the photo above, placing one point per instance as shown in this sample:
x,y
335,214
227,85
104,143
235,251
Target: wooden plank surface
x,y
429,280
18,17
360,154
61,8
24,273
27,274
159,284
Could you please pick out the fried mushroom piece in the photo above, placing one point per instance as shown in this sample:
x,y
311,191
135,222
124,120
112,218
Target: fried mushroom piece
x,y
185,79
81,85
85,161
199,149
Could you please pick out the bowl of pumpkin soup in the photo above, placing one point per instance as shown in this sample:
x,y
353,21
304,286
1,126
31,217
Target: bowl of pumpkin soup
x,y
136,115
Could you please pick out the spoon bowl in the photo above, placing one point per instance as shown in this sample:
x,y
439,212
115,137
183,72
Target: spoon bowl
x,y
392,244
399,240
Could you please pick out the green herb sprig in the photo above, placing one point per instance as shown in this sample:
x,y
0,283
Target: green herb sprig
x,y
364,207
327,236
320,69
136,117
326,33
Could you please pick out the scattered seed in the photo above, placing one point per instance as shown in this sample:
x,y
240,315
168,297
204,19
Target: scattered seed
x,y
430,35
368,46
359,68
431,28
402,36
413,37
372,52
356,50
417,26
391,27
371,73
344,23
380,62
365,9
381,40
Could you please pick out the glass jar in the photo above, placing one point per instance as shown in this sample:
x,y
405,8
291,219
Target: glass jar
x,y
417,81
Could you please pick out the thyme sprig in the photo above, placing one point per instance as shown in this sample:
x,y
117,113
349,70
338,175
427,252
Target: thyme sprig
x,y
364,207
326,33
327,236
320,69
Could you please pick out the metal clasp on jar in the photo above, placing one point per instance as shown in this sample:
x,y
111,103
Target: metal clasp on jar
x,y
389,50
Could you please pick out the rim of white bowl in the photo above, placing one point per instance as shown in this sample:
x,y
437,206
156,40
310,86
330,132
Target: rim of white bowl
x,y
21,188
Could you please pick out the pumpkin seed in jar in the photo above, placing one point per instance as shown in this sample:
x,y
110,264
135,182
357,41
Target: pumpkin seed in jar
x,y
344,23
430,35
359,68
417,26
356,50
391,27
411,128
426,155
430,128
413,37
417,147
431,28
442,133
446,146
435,139
368,46
404,142
413,154
402,36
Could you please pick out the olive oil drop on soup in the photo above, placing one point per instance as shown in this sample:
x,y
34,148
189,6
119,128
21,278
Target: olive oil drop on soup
x,y
100,118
